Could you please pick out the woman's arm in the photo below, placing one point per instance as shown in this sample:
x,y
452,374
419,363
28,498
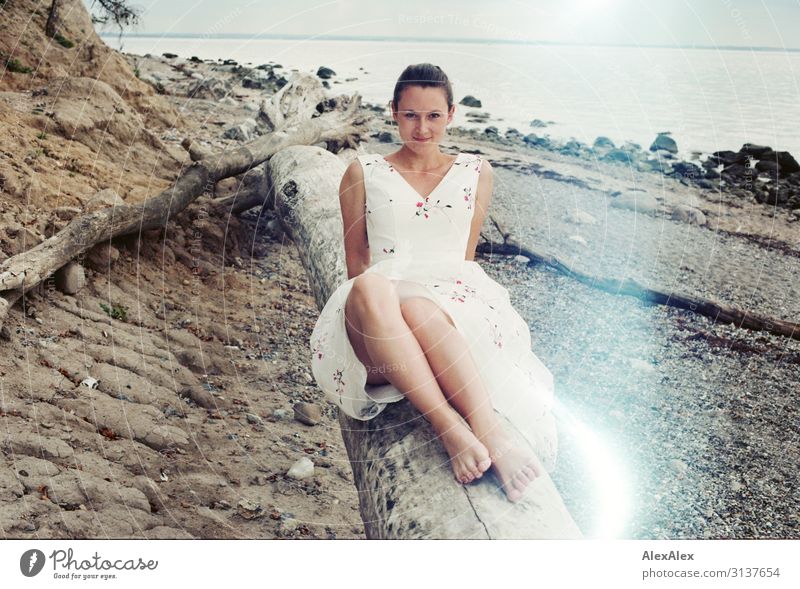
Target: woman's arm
x,y
483,199
352,200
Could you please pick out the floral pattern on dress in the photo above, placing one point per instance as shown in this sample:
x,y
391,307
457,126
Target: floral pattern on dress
x,y
497,334
460,290
423,207
316,348
468,197
340,385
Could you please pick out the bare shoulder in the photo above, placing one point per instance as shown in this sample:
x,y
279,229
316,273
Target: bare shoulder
x,y
486,167
354,172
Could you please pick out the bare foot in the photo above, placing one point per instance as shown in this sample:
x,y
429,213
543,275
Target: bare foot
x,y
469,457
515,467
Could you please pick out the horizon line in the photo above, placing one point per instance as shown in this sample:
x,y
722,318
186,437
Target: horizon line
x,y
442,40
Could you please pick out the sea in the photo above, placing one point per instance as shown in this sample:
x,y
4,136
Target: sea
x,y
708,99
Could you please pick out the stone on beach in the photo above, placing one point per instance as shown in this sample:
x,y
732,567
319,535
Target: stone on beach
x,y
665,142
687,214
637,201
301,469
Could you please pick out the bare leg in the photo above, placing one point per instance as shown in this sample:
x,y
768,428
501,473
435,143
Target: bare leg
x,y
449,357
375,324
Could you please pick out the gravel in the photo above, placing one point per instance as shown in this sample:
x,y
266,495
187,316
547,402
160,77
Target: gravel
x,y
698,419
654,250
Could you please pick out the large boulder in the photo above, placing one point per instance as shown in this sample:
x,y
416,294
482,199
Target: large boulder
x,y
665,142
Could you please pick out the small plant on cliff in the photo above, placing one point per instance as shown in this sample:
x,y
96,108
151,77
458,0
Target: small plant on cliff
x,y
63,41
116,311
14,65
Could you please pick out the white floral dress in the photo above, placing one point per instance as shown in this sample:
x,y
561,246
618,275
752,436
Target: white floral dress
x,y
420,243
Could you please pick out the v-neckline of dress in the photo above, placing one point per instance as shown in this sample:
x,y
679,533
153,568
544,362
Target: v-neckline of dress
x,y
435,188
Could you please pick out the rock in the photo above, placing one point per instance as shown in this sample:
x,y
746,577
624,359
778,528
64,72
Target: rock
x,y
786,163
580,217
281,414
617,155
307,413
536,141
726,158
754,150
769,168
325,72
210,88
169,55
522,259
538,123
254,419
70,278
638,201
665,142
491,130
687,170
572,147
249,509
601,142
229,100
241,132
470,100
102,256
302,469
386,137
736,173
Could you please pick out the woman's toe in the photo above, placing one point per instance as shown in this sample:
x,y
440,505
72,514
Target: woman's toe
x,y
531,472
520,481
485,464
513,494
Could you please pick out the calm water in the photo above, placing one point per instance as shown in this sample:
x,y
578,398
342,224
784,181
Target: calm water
x,y
709,100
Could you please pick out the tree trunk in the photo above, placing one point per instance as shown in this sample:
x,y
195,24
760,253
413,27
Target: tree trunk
x,y
26,270
405,484
717,311
50,28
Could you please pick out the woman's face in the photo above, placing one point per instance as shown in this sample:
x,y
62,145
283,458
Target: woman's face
x,y
422,117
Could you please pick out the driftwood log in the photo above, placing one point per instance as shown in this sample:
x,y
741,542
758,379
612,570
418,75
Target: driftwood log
x,y
712,309
341,124
405,483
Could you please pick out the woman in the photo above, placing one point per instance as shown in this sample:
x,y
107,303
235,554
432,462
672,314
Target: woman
x,y
416,309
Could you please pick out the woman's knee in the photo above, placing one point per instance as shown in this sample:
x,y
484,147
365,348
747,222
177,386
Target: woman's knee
x,y
373,294
420,311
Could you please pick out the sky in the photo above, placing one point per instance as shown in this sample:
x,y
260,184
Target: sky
x,y
713,23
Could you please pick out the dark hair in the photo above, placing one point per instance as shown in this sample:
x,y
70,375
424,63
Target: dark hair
x,y
425,75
